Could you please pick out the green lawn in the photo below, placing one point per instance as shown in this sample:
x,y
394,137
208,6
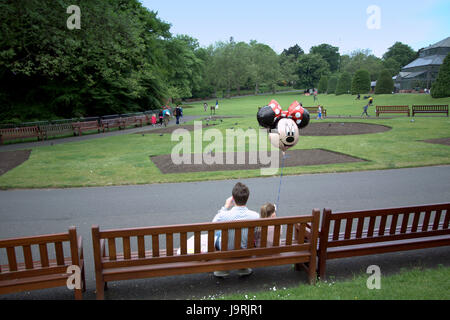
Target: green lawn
x,y
124,159
415,284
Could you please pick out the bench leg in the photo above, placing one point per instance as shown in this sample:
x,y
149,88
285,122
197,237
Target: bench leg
x,y
100,288
78,294
322,268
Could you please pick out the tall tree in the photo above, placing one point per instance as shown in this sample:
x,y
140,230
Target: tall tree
x,y
295,51
441,87
311,67
329,53
401,53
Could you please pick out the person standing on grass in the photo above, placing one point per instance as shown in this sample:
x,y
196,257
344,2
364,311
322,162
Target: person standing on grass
x,y
319,112
235,209
205,106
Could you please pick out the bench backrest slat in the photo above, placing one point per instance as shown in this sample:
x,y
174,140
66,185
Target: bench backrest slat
x,y
276,235
211,245
112,248
59,253
141,246
126,247
155,245
43,254
28,256
12,261
197,246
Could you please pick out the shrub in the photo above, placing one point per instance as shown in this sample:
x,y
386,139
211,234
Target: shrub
x,y
441,87
323,84
361,82
332,82
385,84
344,84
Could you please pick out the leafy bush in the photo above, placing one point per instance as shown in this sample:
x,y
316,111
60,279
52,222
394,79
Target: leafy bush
x,y
361,82
344,84
323,84
332,82
385,84
441,87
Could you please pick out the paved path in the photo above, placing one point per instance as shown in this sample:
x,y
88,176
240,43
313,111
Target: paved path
x,y
33,144
28,212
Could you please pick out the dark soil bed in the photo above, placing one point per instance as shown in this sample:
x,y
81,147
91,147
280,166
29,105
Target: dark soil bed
x,y
294,158
444,141
341,129
313,129
11,159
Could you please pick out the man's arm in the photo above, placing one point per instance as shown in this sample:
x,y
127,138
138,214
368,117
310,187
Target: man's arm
x,y
223,212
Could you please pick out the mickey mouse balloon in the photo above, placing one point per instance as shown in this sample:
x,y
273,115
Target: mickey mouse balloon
x,y
287,135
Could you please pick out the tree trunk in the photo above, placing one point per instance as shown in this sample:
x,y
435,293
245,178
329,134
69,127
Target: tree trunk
x,y
256,89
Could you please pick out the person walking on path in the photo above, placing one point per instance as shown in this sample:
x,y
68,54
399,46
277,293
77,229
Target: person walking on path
x,y
365,110
235,209
178,113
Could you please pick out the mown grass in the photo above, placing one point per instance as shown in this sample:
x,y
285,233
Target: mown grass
x,y
415,284
124,159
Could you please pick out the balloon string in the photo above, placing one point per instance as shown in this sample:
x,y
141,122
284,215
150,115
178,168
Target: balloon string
x,y
281,176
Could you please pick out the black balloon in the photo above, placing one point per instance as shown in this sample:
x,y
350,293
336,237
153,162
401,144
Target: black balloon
x,y
305,119
266,117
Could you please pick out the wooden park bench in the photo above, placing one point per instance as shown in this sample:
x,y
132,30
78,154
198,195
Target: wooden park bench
x,y
164,259
384,230
392,109
32,274
79,127
107,124
430,109
316,110
128,121
56,129
142,120
19,133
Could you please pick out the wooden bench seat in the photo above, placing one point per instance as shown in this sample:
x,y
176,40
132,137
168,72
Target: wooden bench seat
x,y
142,120
129,121
392,109
56,129
430,109
32,274
80,127
163,259
383,230
107,124
316,110
19,133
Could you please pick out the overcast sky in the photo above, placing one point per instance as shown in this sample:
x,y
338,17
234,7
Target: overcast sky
x,y
282,24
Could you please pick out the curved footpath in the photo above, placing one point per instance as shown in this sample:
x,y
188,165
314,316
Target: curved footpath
x,y
33,144
29,212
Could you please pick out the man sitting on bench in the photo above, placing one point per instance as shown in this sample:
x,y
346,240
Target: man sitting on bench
x,y
235,209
